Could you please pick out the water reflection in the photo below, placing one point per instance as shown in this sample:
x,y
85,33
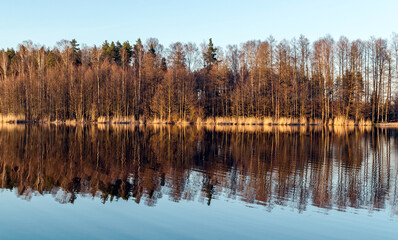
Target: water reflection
x,y
330,168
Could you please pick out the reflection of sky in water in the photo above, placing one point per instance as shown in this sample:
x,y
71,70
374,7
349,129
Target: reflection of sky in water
x,y
88,218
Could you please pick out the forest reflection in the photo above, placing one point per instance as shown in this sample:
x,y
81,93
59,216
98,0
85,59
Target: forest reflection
x,y
331,168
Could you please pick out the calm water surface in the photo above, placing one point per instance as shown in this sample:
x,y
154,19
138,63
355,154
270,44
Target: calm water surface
x,y
123,182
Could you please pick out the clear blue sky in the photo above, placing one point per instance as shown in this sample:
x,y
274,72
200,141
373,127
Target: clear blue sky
x,y
227,22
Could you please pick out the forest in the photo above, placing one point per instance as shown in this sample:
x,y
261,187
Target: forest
x,y
257,82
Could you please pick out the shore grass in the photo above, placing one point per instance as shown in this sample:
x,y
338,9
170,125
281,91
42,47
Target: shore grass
x,y
387,125
12,118
251,121
217,121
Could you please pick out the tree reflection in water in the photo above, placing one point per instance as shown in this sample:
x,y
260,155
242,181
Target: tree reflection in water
x,y
332,168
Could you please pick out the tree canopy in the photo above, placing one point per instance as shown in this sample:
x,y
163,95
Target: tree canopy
x,y
288,79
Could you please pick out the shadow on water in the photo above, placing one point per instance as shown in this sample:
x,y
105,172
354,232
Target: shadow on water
x,y
330,168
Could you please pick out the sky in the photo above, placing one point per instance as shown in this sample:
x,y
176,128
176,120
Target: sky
x,y
225,21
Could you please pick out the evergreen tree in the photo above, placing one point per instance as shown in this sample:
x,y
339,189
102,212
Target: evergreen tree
x,y
112,51
76,54
126,52
210,55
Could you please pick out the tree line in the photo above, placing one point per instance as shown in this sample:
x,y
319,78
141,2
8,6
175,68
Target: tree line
x,y
295,79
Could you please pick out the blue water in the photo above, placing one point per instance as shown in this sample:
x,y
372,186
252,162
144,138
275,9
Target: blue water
x,y
179,208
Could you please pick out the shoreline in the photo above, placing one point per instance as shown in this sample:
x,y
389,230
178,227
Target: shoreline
x,y
217,121
186,123
387,125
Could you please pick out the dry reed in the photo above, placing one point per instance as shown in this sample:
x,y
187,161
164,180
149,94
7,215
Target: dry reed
x,y
12,118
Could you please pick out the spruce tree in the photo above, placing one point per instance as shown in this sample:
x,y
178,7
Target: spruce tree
x,y
210,55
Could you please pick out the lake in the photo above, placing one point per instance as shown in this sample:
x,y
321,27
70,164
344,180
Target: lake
x,y
198,182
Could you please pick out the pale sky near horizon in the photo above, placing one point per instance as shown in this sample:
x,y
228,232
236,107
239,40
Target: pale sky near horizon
x,y
226,21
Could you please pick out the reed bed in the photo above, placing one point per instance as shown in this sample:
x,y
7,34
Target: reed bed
x,y
316,121
244,121
260,128
364,122
342,121
12,118
251,121
388,125
119,120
